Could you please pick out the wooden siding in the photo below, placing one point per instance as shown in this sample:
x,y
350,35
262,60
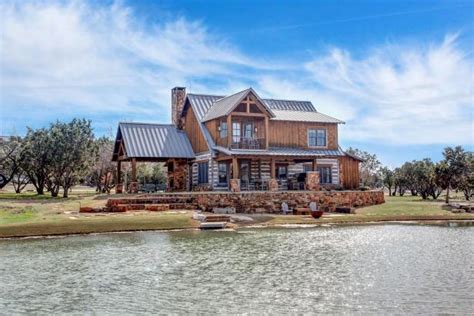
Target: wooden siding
x,y
192,129
295,134
350,172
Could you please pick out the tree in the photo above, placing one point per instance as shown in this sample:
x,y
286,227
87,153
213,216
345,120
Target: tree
x,y
73,153
401,181
102,174
10,159
369,168
37,155
450,171
424,179
466,183
388,178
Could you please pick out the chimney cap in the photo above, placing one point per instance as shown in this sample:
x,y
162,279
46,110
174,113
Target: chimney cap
x,y
179,88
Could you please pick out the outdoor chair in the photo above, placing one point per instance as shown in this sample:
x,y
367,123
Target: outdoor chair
x,y
285,209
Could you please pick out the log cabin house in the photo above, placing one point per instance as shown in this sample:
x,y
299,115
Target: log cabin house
x,y
240,142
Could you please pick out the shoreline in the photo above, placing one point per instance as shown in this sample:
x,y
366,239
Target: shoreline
x,y
460,222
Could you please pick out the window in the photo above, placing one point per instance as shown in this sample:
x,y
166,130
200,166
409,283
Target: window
x,y
236,132
317,138
223,173
203,172
325,176
248,130
281,171
223,129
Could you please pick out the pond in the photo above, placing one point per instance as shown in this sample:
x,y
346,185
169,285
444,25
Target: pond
x,y
369,269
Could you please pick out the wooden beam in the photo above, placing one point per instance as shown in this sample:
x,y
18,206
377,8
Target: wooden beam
x,y
266,132
314,165
235,168
134,170
273,167
249,114
119,172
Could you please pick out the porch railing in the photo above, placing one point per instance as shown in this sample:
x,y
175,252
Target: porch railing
x,y
248,143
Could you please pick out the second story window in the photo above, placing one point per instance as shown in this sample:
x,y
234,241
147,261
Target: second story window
x,y
236,132
248,130
223,129
317,138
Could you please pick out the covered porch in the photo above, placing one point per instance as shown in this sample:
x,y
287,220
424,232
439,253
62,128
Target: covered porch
x,y
239,173
143,142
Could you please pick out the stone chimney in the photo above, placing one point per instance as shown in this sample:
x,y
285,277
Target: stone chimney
x,y
178,95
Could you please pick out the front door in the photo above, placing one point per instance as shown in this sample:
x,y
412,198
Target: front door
x,y
223,174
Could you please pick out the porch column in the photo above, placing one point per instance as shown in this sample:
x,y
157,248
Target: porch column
x,y
235,181
273,183
118,181
312,178
133,183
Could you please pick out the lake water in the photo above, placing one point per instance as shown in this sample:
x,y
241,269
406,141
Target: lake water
x,y
361,269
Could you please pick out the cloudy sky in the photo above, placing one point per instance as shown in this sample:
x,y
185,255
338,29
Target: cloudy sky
x,y
399,73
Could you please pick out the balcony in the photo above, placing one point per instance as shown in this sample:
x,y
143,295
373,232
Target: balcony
x,y
248,143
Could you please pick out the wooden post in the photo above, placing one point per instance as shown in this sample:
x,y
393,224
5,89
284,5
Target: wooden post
x,y
133,183
314,165
229,131
235,168
272,170
235,181
118,183
266,132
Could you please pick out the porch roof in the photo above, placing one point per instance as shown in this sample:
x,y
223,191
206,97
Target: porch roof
x,y
152,141
282,151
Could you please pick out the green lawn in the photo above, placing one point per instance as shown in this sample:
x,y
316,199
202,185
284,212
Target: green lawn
x,y
28,215
406,206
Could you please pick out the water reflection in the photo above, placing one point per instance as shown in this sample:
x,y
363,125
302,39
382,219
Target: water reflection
x,y
394,269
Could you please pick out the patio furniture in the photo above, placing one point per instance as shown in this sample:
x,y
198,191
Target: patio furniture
x,y
285,209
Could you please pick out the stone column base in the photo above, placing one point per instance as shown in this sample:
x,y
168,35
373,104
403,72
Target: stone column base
x,y
312,181
133,187
272,185
119,188
235,185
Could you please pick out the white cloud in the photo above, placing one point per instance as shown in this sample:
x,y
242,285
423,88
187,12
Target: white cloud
x,y
87,59
404,93
104,61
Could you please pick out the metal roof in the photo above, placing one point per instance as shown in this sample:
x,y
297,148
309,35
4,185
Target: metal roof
x,y
201,103
224,106
288,105
143,140
283,151
299,116
287,110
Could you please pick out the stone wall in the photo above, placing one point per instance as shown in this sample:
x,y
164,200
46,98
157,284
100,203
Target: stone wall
x,y
270,202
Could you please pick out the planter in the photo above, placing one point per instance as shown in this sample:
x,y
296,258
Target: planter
x,y
317,214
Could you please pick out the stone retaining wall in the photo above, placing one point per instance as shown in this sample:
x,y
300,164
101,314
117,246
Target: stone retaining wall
x,y
270,202
261,202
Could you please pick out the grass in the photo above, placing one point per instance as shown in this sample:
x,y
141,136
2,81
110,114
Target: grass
x,y
395,208
28,214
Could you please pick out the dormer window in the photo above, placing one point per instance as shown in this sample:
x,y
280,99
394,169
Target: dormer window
x,y
223,129
317,138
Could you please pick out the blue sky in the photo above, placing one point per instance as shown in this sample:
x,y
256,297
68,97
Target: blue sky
x,y
400,73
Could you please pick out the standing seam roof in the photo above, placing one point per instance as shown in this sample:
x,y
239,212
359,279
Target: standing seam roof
x,y
142,140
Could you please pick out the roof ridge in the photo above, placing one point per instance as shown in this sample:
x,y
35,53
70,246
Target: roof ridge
x,y
231,95
205,95
288,100
147,123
